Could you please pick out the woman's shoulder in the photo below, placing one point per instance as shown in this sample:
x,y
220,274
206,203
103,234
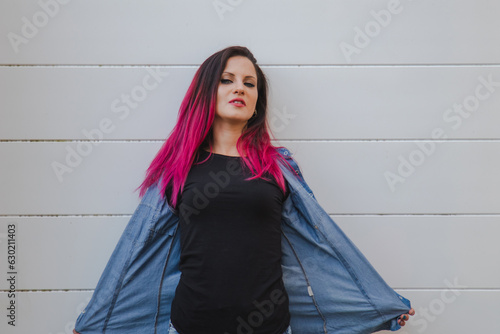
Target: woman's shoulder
x,y
288,156
284,151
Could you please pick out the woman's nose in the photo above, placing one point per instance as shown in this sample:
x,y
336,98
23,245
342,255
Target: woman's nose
x,y
240,88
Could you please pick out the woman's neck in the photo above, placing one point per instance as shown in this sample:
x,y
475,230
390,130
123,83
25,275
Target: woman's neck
x,y
225,138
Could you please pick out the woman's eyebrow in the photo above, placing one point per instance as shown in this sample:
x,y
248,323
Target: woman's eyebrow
x,y
231,74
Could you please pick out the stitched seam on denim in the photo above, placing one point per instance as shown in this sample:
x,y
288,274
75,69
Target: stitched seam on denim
x,y
151,228
162,276
116,292
352,273
120,281
307,280
125,268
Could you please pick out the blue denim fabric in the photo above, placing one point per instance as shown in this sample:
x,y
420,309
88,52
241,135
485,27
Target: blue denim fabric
x,y
332,287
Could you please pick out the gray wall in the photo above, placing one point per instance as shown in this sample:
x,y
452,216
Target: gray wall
x,y
391,109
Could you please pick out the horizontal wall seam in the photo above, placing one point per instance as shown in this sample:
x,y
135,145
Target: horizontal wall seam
x,y
262,65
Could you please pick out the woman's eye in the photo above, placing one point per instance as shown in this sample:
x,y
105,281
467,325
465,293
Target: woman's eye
x,y
227,81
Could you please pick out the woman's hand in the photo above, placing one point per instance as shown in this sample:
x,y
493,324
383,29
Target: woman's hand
x,y
405,317
75,332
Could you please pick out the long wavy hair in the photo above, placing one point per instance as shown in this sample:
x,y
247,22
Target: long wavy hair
x,y
194,128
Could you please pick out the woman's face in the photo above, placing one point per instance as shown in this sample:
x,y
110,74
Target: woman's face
x,y
237,93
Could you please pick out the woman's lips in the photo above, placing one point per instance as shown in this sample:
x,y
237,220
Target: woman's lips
x,y
237,102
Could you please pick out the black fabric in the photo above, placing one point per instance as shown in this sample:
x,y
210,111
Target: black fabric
x,y
230,233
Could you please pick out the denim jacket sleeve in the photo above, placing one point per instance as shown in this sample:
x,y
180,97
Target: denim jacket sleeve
x,y
331,286
136,288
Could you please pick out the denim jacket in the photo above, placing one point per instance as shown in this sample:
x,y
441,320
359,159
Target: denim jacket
x,y
332,288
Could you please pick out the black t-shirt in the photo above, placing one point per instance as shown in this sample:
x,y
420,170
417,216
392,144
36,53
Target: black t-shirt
x,y
230,233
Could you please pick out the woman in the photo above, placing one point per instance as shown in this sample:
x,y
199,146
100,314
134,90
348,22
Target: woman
x,y
225,183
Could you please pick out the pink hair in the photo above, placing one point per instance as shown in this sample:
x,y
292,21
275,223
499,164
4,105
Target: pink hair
x,y
193,129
